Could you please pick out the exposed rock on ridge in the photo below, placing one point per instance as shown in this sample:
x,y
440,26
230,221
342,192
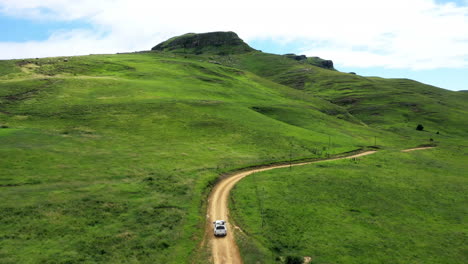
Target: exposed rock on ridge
x,y
224,43
213,42
316,61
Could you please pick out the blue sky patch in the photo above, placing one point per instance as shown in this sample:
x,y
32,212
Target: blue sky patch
x,y
457,2
20,30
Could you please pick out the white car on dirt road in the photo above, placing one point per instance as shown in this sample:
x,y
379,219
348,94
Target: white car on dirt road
x,y
220,228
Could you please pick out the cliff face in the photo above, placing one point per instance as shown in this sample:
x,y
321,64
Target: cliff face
x,y
213,42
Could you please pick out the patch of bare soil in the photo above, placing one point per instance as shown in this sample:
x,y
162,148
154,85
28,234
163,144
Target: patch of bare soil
x,y
413,149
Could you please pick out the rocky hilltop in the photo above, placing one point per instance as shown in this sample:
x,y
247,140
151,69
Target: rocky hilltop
x,y
213,42
224,43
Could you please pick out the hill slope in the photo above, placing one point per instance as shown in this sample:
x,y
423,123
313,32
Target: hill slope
x,y
397,105
108,158
390,207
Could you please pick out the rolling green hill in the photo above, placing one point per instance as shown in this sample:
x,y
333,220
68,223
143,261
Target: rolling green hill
x,y
109,158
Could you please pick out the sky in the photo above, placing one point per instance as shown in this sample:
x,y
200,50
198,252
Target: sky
x,y
424,40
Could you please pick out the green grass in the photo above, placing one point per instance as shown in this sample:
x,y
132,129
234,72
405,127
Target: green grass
x,y
109,158
395,105
114,154
390,207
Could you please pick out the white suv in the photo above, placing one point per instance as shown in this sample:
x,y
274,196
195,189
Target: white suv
x,y
220,228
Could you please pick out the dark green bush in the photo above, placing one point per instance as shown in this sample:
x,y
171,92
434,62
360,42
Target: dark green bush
x,y
420,127
294,260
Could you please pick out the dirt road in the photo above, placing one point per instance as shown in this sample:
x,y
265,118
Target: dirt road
x,y
224,249
413,149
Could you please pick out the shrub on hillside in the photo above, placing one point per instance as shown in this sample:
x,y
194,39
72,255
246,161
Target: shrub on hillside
x,y
420,127
294,260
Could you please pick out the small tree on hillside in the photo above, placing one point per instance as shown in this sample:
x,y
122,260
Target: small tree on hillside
x,y
420,127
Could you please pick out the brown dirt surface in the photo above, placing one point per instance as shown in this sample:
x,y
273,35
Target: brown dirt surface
x,y
413,149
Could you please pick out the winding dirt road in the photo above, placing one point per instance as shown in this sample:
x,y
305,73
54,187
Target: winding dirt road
x,y
413,149
224,249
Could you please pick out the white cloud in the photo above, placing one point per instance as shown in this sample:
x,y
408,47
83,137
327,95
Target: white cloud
x,y
412,34
77,42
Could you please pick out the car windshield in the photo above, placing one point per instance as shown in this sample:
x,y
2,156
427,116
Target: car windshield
x,y
220,227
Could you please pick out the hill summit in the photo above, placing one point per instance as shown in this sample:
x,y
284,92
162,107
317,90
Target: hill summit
x,y
213,42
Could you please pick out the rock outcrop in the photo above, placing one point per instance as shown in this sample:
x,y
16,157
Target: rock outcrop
x,y
316,61
220,43
296,57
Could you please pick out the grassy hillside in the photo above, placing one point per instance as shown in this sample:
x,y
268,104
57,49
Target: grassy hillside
x,y
390,207
396,105
109,158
